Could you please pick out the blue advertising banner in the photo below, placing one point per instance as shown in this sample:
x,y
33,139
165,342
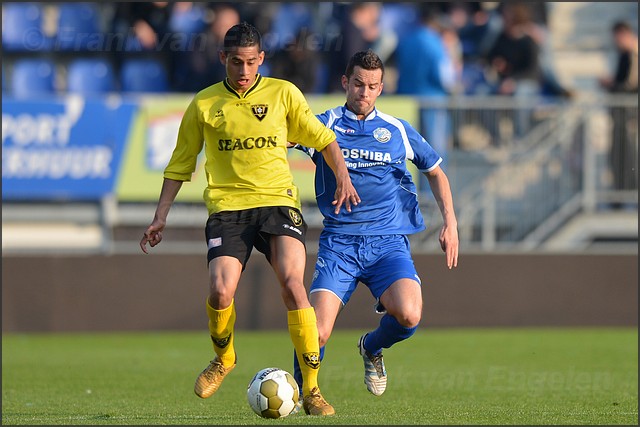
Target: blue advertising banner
x,y
67,148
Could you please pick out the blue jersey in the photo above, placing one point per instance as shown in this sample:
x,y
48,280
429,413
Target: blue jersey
x,y
375,151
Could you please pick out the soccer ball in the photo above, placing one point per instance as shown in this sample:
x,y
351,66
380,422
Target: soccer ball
x,y
273,393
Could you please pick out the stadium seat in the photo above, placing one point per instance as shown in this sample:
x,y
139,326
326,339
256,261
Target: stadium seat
x,y
90,76
78,26
22,28
143,75
32,77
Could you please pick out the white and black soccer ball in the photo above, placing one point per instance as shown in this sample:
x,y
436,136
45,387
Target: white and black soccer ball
x,y
273,393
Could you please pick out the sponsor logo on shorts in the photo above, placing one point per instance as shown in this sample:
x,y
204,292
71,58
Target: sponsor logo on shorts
x,y
320,262
215,242
292,228
295,217
311,359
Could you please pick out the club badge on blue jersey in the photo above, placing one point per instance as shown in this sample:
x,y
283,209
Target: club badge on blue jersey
x,y
382,134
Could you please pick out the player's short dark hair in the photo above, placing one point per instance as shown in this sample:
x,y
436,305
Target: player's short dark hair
x,y
365,59
242,35
621,26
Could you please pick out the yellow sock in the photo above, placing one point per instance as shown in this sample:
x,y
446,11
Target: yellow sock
x,y
221,324
304,334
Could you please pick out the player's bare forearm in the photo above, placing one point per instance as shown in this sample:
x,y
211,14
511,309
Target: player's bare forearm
x,y
153,233
448,237
345,192
170,189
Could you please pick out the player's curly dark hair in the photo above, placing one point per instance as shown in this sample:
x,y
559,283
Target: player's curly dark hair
x,y
242,35
365,59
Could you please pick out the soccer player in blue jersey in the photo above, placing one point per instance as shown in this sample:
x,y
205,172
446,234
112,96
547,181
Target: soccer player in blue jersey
x,y
370,244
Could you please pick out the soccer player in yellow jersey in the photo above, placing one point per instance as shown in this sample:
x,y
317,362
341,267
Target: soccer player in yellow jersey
x,y
245,123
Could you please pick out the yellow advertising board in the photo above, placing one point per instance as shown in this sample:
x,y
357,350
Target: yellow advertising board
x,y
155,128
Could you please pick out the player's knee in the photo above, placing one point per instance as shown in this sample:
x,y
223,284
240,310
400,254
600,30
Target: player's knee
x,y
292,286
220,298
323,336
409,319
294,294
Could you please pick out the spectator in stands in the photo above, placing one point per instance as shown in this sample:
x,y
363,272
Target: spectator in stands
x,y
360,30
514,57
287,23
475,27
200,65
624,139
424,65
625,77
519,57
514,64
425,69
298,62
471,21
144,27
147,21
453,46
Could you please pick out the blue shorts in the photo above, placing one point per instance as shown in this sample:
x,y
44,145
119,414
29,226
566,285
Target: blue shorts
x,y
376,261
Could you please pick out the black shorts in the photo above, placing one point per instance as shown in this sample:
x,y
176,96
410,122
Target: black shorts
x,y
236,233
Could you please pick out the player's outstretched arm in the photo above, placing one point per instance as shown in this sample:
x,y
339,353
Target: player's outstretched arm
x,y
345,192
153,233
448,238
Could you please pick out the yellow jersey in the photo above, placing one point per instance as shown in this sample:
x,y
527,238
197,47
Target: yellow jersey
x,y
245,140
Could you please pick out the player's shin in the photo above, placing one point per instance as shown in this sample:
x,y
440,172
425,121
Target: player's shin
x,y
388,333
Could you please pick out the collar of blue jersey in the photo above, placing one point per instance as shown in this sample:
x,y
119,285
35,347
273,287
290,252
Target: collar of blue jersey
x,y
233,91
351,115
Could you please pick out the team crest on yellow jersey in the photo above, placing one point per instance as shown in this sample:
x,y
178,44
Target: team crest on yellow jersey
x,y
260,110
295,217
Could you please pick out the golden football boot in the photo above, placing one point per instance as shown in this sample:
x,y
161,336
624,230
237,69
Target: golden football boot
x,y
210,379
314,404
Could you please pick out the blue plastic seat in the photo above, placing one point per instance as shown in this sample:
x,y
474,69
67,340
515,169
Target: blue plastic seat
x,y
32,77
90,76
78,26
22,28
143,75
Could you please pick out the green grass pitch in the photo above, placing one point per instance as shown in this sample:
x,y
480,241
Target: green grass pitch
x,y
517,376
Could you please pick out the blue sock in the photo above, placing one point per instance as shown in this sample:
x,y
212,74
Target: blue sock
x,y
297,373
388,333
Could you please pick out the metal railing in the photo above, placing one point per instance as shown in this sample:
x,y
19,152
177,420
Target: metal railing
x,y
520,171
563,165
